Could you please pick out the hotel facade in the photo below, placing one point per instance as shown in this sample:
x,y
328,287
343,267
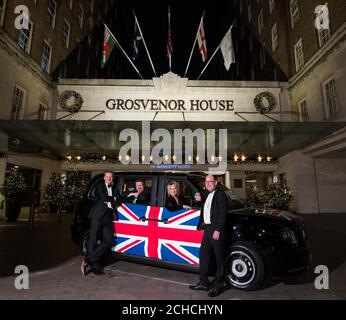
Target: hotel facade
x,y
276,117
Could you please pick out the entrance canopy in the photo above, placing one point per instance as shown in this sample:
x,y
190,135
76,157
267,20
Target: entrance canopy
x,y
59,138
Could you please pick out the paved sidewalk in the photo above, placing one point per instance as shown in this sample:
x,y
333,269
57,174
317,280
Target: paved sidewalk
x,y
53,261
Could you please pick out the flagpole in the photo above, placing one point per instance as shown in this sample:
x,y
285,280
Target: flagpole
x,y
145,45
215,52
122,50
193,47
170,38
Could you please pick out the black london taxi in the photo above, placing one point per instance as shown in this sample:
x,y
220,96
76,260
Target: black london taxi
x,y
261,243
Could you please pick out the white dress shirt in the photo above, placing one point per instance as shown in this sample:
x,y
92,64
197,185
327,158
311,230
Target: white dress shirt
x,y
110,193
207,208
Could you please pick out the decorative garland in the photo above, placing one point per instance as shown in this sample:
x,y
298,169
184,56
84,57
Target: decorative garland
x,y
260,107
71,101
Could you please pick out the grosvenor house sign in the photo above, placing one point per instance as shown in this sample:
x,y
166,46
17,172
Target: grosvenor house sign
x,y
171,98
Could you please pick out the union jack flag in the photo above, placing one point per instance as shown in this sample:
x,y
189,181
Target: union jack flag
x,y
158,233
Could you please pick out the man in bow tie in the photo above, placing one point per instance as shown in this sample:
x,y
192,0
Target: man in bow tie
x,y
101,224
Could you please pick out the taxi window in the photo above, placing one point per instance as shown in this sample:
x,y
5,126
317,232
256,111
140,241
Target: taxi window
x,y
130,193
186,190
91,193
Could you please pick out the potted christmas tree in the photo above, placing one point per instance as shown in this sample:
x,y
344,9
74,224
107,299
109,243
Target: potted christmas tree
x,y
13,189
277,196
55,194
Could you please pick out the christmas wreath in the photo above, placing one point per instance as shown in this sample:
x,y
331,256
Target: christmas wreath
x,y
71,101
261,106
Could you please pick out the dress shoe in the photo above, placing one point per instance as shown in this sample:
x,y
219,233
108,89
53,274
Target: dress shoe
x,y
199,287
85,268
98,271
215,292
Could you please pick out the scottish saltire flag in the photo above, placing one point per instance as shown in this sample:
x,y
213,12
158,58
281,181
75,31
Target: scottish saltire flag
x,y
158,233
137,38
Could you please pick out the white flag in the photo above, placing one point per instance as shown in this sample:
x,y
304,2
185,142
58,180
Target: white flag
x,y
228,50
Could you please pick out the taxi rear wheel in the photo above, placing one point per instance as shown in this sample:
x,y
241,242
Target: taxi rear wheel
x,y
244,267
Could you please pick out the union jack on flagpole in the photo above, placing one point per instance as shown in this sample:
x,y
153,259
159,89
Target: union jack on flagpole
x,y
169,40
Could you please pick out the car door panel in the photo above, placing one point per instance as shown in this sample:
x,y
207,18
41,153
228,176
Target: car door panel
x,y
178,237
135,230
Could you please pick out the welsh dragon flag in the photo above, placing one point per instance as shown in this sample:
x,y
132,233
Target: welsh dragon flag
x,y
108,46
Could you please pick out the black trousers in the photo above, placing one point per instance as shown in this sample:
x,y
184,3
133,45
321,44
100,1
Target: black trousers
x,y
208,247
100,230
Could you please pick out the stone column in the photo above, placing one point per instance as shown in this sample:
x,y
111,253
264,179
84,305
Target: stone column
x,y
228,179
301,179
3,163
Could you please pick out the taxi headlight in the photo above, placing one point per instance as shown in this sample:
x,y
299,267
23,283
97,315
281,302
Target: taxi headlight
x,y
289,237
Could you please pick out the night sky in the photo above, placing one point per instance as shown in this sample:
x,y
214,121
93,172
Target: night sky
x,y
185,18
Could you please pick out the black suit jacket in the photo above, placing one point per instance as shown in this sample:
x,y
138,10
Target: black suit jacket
x,y
172,205
101,195
143,198
218,212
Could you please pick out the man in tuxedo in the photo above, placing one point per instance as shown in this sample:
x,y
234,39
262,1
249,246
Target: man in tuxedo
x,y
212,221
142,194
101,226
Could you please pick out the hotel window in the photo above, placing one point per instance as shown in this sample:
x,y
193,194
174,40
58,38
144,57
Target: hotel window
x,y
303,111
323,36
80,16
249,12
17,103
46,56
237,183
275,37
70,4
79,51
299,55
66,33
271,6
42,112
294,10
24,38
51,12
263,59
2,11
332,107
260,22
62,70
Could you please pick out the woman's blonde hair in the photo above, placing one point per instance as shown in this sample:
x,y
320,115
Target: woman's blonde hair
x,y
172,183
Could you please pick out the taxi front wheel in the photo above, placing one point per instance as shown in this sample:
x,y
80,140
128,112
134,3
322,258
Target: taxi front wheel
x,y
244,267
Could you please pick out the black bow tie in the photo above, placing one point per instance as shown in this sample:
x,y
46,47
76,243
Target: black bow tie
x,y
109,186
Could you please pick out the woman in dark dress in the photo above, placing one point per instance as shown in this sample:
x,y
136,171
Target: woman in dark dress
x,y
174,201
